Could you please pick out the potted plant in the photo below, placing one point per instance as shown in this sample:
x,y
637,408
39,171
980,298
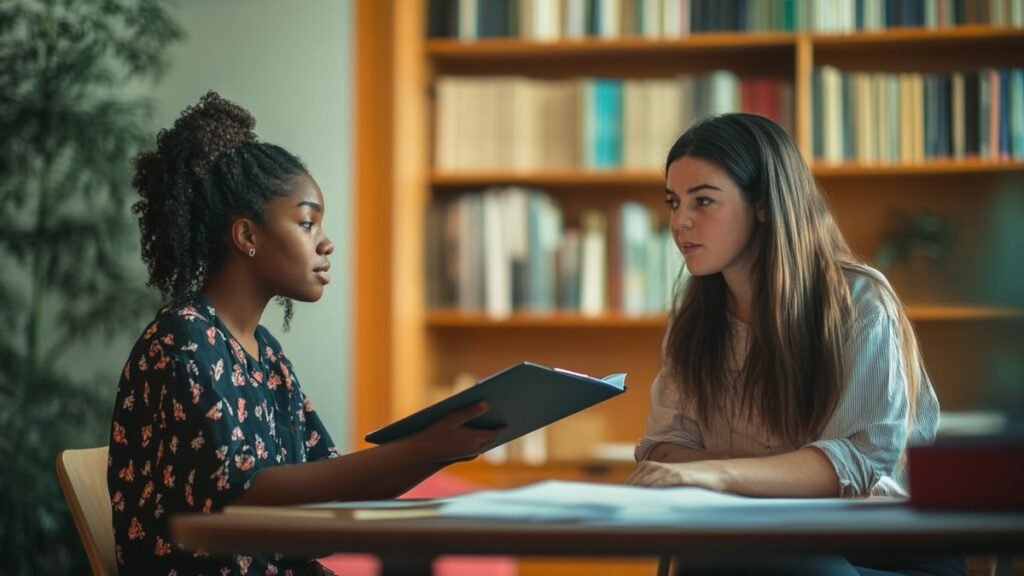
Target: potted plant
x,y
68,131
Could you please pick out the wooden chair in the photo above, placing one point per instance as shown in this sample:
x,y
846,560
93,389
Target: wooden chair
x,y
83,478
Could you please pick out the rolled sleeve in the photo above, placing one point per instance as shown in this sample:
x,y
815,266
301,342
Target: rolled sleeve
x,y
319,445
868,431
666,423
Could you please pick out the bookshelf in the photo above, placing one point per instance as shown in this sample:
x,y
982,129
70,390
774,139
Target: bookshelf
x,y
407,352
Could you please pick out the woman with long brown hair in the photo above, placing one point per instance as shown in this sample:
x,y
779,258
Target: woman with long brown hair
x,y
790,367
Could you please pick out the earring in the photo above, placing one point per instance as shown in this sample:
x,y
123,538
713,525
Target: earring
x,y
252,252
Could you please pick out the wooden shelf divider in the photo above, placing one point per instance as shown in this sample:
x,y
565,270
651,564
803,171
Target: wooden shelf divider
x,y
617,178
558,319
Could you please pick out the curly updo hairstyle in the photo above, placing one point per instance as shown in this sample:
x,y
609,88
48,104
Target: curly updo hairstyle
x,y
208,168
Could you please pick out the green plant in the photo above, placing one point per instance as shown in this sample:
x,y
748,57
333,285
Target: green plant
x,y
68,130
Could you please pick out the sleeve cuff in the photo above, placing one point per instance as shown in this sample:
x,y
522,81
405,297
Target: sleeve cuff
x,y
646,445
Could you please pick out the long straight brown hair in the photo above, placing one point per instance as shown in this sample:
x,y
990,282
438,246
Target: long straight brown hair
x,y
802,309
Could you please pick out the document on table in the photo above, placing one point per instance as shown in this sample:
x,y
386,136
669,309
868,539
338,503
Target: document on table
x,y
557,501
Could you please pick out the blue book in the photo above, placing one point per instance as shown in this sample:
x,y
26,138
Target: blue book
x,y
614,111
608,123
1004,112
523,398
544,225
788,16
1017,113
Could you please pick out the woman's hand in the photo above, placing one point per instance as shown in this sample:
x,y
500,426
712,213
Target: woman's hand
x,y
450,440
704,474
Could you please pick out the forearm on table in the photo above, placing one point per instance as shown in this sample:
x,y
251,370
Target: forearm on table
x,y
365,475
803,473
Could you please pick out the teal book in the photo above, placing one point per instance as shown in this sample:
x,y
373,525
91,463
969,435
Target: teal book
x,y
607,142
523,398
1017,112
1004,113
789,20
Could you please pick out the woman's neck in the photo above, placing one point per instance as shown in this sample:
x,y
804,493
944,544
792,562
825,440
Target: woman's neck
x,y
239,305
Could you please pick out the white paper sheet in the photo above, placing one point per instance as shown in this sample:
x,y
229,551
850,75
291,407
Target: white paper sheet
x,y
558,501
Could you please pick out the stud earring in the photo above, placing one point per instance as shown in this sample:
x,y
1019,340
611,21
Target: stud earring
x,y
252,252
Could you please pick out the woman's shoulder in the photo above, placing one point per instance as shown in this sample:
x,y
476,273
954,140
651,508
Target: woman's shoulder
x,y
178,324
193,317
173,338
871,295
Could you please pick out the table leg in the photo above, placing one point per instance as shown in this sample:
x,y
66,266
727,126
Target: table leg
x,y
1004,565
665,565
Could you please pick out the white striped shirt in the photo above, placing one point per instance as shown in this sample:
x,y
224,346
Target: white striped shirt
x,y
868,430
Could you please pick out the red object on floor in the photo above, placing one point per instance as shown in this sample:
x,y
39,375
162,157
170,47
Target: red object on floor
x,y
439,485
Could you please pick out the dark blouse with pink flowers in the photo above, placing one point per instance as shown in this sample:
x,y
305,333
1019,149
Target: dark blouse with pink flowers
x,y
196,419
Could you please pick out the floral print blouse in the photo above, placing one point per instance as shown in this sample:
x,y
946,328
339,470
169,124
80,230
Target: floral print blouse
x,y
195,420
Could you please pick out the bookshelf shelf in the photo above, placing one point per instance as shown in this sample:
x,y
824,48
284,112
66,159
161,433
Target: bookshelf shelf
x,y
553,320
766,54
509,48
918,37
458,319
970,166
653,178
921,50
923,313
559,179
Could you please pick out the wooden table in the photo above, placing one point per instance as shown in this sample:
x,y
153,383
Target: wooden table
x,y
409,546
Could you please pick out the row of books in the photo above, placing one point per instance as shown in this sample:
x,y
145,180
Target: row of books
x,y
549,20
508,249
594,123
908,117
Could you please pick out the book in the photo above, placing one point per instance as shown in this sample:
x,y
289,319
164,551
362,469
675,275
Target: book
x,y
362,510
523,398
946,474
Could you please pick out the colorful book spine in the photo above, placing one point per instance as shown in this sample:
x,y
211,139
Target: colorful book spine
x,y
552,20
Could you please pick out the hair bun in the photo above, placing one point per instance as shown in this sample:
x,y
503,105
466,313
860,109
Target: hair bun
x,y
214,126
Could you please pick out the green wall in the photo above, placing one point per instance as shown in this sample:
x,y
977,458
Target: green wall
x,y
289,63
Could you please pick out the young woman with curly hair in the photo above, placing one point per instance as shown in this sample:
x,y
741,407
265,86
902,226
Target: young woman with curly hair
x,y
790,368
209,411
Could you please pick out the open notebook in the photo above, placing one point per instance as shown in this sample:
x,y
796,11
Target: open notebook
x,y
369,510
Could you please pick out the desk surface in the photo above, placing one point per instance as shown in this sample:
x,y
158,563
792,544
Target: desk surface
x,y
868,530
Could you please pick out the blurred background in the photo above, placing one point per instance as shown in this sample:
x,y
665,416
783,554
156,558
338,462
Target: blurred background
x,y
492,171
86,85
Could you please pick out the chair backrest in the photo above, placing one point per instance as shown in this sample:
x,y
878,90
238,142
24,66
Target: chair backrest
x,y
83,478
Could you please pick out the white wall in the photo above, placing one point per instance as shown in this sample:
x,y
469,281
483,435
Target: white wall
x,y
289,63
